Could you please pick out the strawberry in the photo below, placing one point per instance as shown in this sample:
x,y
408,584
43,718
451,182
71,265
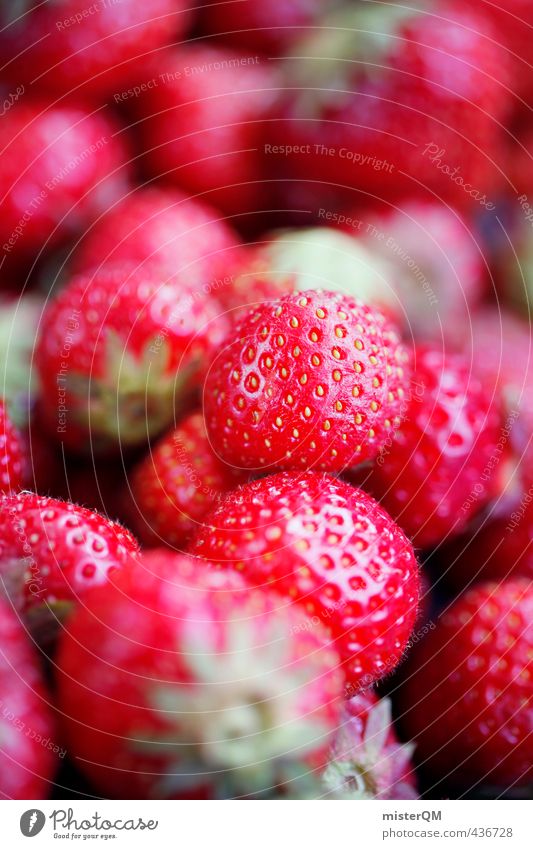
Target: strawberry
x,y
248,23
216,690
19,320
12,461
513,21
71,46
176,484
439,269
467,698
203,123
163,226
324,258
118,351
379,102
366,760
314,379
60,167
329,547
28,751
51,552
445,461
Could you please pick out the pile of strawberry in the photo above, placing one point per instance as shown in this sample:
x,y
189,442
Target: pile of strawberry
x,y
266,476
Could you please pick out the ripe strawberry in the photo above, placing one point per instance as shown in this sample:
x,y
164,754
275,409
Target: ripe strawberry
x,y
12,461
315,379
68,44
513,21
219,693
176,484
251,24
165,226
331,548
439,270
118,351
27,761
443,464
367,761
203,123
51,552
60,167
382,104
467,699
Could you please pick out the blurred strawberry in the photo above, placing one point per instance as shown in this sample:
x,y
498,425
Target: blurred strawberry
x,y
66,45
27,759
164,226
248,23
177,483
203,124
220,693
444,462
60,167
390,100
119,352
13,462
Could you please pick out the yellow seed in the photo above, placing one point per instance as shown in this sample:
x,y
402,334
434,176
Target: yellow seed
x,y
269,362
338,406
307,411
236,375
303,302
327,424
376,382
313,336
374,406
337,375
279,421
281,341
358,344
296,433
289,399
284,373
371,433
342,315
296,351
355,392
303,379
294,322
315,359
373,360
229,422
358,418
320,313
336,353
268,443
320,390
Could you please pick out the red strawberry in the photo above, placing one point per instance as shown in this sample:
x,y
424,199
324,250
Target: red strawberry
x,y
60,167
467,700
513,21
315,379
381,103
118,351
51,552
215,690
366,761
13,468
331,548
439,267
29,748
66,44
177,483
165,226
203,123
248,23
445,461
